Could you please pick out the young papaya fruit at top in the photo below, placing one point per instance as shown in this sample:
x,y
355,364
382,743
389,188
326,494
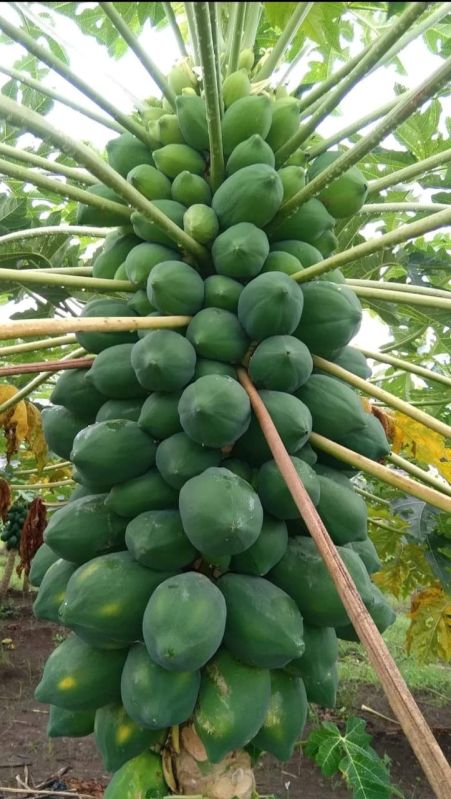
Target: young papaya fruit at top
x,y
217,334
253,150
201,223
152,113
192,119
270,305
92,215
235,86
169,130
222,292
142,259
243,118
174,158
202,415
109,260
285,121
126,152
253,194
345,195
331,318
307,223
181,77
306,254
98,341
151,231
240,251
163,361
246,59
327,243
175,288
298,158
190,189
282,262
150,182
293,180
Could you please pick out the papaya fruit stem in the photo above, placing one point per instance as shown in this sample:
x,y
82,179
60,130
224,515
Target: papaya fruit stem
x,y
406,366
284,40
421,474
43,278
44,163
192,31
237,23
212,102
410,298
218,49
253,14
407,173
380,393
368,495
151,68
34,383
59,98
172,20
48,230
378,49
46,366
415,727
408,288
44,344
35,123
77,324
411,230
19,36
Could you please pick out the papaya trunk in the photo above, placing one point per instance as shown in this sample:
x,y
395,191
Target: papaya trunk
x,y
7,574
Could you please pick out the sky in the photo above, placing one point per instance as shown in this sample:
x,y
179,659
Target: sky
x,y
123,81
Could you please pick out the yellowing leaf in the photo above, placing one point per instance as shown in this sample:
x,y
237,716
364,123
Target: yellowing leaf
x,y
13,420
429,634
421,443
405,571
35,435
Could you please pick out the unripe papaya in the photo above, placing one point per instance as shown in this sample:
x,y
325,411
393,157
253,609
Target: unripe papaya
x,y
275,496
174,158
268,549
217,334
142,259
270,305
151,231
245,117
193,121
109,260
159,415
179,458
140,775
120,273
189,189
307,223
253,194
345,195
126,152
368,552
335,407
281,363
181,77
304,252
293,180
214,411
281,262
152,113
287,714
70,723
120,409
163,361
318,665
298,158
175,288
354,361
91,215
201,223
169,131
98,341
246,59
101,452
206,367
222,292
327,243
240,251
369,441
253,150
235,86
60,427
150,182
331,318
285,121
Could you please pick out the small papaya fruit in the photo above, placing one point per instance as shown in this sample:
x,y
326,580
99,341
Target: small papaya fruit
x,y
270,305
240,251
253,150
150,182
151,231
201,223
345,195
189,189
126,152
192,119
142,259
175,158
175,288
253,194
285,121
293,180
246,116
222,292
169,130
235,86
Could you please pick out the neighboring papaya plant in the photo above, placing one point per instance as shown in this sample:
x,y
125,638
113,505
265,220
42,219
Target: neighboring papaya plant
x,y
203,619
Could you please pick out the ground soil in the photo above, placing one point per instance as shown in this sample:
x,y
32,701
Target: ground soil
x,y
27,752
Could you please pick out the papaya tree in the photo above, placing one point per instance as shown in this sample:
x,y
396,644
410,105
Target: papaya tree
x,y
215,400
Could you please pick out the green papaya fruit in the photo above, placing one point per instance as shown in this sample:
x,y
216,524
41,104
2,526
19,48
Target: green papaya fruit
x,y
368,552
222,292
113,376
169,131
119,738
70,723
303,574
246,116
263,626
353,361
120,409
174,288
246,59
126,152
326,244
142,259
285,121
380,611
147,492
163,361
241,468
82,491
155,697
151,231
78,677
253,194
181,77
156,539
307,454
106,598
179,458
109,260
286,717
217,334
253,150
370,440
175,158
232,705
270,305
343,512
141,776
53,590
268,549
344,196
274,494
331,318
306,254
307,223
298,158
201,223
221,513
184,622
60,427
240,251
280,261
150,182
292,419
192,119
318,665
159,415
293,180
83,529
96,341
214,411
206,367
102,451
139,303
280,363
235,86
335,407
105,217
333,276
41,563
189,189
120,273
77,394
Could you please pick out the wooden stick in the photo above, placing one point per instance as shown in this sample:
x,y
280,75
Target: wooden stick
x,y
415,727
46,366
83,324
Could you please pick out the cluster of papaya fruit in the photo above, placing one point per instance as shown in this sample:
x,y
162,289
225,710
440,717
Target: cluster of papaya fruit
x,y
192,588
15,519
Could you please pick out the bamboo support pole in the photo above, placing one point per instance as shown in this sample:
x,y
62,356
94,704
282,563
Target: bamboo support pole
x,y
78,324
46,366
406,366
389,399
420,474
413,723
44,344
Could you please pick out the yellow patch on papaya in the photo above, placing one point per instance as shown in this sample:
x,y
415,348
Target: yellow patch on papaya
x,y
111,609
60,597
123,733
87,571
67,683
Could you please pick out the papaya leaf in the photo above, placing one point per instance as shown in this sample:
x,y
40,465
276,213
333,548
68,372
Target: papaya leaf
x,y
429,634
430,528
421,443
